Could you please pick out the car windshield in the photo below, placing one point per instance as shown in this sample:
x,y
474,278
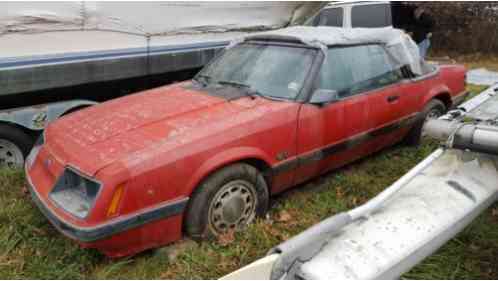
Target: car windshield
x,y
271,71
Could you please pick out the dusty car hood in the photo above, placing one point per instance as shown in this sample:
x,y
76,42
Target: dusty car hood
x,y
93,138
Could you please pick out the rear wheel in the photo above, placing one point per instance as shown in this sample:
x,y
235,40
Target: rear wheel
x,y
15,145
228,200
434,109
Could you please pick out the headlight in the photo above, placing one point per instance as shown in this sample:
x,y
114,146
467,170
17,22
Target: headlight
x,y
34,151
75,193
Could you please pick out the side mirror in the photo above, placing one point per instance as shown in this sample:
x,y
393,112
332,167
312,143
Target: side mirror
x,y
323,96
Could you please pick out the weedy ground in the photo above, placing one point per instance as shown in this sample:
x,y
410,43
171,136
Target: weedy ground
x,y
31,248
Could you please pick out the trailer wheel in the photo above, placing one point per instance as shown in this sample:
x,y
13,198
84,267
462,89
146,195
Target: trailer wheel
x,y
15,145
434,109
228,200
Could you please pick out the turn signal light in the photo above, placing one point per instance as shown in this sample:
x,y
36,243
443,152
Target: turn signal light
x,y
116,199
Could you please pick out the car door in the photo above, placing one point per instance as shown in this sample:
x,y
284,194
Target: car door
x,y
331,135
416,87
387,102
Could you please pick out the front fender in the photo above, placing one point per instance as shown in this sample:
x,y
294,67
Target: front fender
x,y
36,117
222,159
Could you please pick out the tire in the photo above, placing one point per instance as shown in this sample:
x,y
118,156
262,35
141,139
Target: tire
x,y
15,146
232,196
433,109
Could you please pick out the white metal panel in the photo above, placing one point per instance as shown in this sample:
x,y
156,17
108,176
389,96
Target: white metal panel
x,y
40,16
46,28
430,209
258,270
175,17
482,76
181,39
21,45
145,18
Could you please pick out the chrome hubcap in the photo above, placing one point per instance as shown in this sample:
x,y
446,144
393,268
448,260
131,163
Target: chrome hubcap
x,y
233,206
10,155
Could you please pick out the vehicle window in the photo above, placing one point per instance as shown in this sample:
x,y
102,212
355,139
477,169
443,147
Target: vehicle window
x,y
370,16
272,70
330,17
356,69
426,68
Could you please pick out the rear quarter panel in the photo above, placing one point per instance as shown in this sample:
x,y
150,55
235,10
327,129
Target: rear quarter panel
x,y
448,83
453,76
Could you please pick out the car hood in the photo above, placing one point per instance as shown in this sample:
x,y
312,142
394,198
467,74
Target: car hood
x,y
95,137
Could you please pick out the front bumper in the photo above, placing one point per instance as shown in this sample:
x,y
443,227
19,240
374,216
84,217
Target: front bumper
x,y
113,227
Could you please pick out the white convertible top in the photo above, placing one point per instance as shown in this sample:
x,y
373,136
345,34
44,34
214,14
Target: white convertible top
x,y
327,35
401,48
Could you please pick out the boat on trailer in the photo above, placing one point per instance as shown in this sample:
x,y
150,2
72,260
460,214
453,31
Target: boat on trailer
x,y
49,45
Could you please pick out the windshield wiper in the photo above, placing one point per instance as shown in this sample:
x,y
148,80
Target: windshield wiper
x,y
234,84
202,79
250,91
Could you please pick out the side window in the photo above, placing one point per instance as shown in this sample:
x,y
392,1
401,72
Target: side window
x,y
356,69
382,71
330,17
426,67
336,72
378,15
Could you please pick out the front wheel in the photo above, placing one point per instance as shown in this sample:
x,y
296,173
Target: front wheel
x,y
228,200
14,146
434,109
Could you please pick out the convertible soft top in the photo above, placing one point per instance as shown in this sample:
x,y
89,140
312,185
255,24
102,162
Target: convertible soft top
x,y
399,45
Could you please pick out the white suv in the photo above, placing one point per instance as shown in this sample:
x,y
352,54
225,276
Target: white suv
x,y
361,14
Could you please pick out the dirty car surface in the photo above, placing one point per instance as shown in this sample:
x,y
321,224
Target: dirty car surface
x,y
203,157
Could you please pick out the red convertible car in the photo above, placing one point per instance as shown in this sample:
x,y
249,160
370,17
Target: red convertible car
x,y
205,156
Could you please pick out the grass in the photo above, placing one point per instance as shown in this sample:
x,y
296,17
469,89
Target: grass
x,y
30,248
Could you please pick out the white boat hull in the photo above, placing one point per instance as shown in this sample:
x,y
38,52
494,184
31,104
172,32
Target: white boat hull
x,y
49,45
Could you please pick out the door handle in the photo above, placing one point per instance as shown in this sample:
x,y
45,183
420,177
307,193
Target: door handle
x,y
392,98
